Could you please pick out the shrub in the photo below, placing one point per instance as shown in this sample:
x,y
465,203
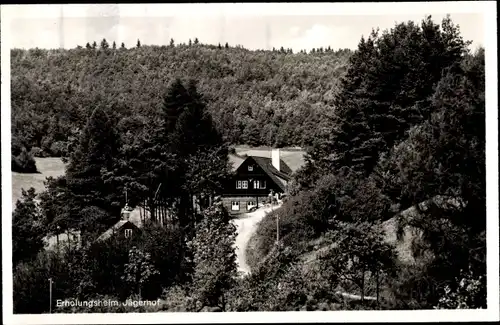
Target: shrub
x,y
177,299
37,152
303,217
58,149
139,270
31,281
23,163
468,292
107,264
214,257
164,244
294,233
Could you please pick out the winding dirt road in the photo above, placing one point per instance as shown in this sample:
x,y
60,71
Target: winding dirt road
x,y
246,225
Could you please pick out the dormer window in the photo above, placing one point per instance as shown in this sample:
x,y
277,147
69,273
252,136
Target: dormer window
x,y
128,233
250,168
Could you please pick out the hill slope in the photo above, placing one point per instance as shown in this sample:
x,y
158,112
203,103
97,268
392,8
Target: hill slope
x,y
272,98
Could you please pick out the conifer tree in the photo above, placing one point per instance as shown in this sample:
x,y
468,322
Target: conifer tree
x,y
94,155
385,91
27,228
104,44
198,163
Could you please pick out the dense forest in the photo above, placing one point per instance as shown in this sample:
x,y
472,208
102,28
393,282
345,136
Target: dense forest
x,y
405,146
400,128
272,98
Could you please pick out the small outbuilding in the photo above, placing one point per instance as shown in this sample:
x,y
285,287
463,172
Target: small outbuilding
x,y
123,227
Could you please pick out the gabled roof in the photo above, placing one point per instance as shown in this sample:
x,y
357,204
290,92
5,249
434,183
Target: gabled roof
x,y
267,166
115,228
294,159
236,161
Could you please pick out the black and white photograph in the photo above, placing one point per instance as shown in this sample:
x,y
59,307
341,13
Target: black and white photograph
x,y
193,162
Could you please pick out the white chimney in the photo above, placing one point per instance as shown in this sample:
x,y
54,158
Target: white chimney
x,y
126,212
275,157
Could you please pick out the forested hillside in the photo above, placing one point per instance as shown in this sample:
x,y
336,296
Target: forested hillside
x,y
405,144
273,98
398,134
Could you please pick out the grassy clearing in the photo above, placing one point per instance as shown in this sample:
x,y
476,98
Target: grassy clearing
x,y
46,166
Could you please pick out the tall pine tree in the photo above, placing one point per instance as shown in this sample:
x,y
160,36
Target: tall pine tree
x,y
93,157
386,90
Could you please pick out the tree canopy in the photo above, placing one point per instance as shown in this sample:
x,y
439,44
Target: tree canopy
x,y
259,97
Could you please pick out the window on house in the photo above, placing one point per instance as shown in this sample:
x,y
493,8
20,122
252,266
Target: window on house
x,y
250,204
250,168
256,184
238,184
244,184
128,233
235,206
259,184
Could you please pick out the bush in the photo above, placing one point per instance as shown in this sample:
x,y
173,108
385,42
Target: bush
x,y
23,163
31,281
164,244
302,218
107,264
37,152
214,257
177,299
58,149
468,292
294,233
281,282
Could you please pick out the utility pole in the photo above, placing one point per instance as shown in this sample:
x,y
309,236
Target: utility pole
x,y
50,295
277,229
57,237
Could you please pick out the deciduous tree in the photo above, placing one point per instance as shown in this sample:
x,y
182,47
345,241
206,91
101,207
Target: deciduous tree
x,y
214,258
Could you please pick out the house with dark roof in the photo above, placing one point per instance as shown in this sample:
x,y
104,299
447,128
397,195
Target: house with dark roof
x,y
123,227
254,180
